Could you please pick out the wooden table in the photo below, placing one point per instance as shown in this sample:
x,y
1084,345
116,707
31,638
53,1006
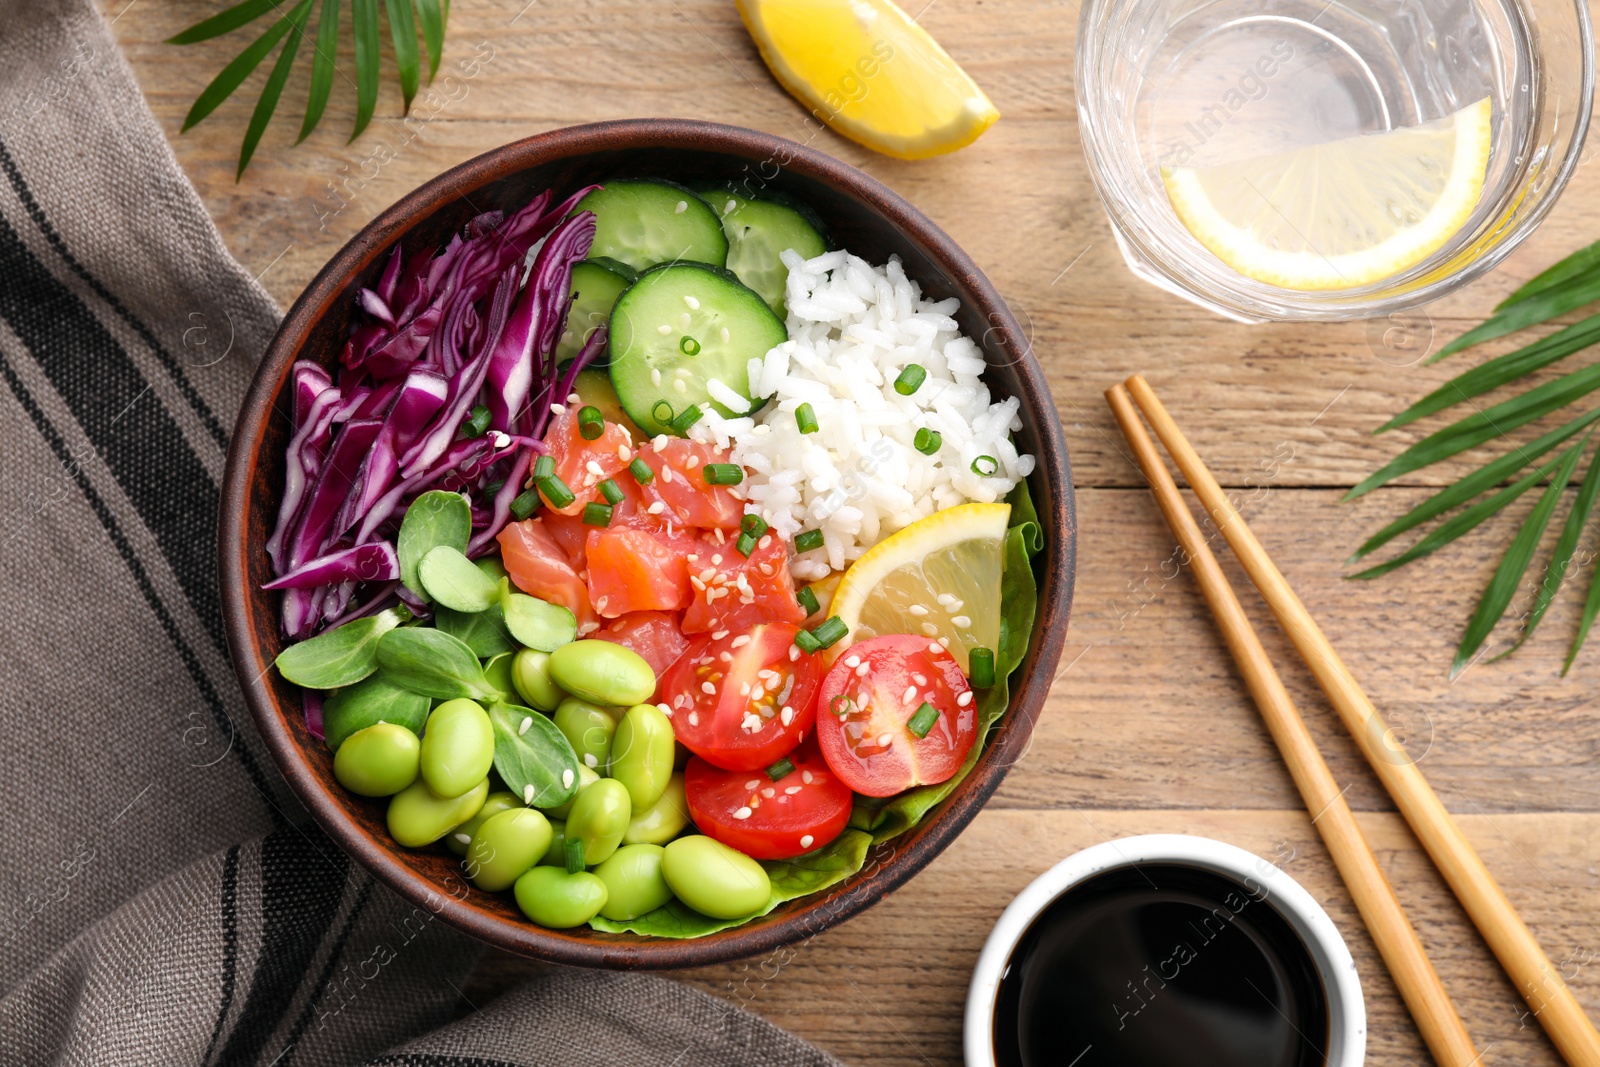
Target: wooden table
x,y
1148,727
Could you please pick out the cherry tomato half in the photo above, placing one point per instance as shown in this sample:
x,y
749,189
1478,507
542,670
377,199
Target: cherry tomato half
x,y
765,819
743,700
869,698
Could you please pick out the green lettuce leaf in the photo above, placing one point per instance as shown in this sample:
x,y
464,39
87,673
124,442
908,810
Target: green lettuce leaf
x,y
875,821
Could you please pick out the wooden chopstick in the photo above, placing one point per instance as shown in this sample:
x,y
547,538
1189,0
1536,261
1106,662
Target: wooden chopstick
x,y
1380,909
1539,983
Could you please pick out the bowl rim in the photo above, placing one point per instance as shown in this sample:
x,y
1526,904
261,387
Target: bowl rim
x,y
1005,746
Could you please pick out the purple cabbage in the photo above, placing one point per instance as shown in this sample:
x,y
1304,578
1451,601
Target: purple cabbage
x,y
437,334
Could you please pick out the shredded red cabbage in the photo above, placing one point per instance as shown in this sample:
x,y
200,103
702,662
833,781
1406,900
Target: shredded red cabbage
x,y
438,334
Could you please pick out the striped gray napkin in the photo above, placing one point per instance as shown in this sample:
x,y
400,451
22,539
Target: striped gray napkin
x,y
163,899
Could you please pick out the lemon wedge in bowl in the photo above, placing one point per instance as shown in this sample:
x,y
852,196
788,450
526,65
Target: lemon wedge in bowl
x,y
1341,214
937,578
869,71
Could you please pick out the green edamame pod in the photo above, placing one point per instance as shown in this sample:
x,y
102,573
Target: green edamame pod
x,y
586,778
417,817
372,700
598,818
378,761
555,899
457,747
458,839
505,847
634,883
530,673
714,879
603,673
556,854
642,754
663,820
590,728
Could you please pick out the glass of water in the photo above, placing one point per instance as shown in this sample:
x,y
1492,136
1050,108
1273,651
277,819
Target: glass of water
x,y
1329,159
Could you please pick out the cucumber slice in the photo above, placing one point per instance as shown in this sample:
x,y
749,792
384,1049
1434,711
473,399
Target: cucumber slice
x,y
593,386
686,323
596,284
757,231
643,223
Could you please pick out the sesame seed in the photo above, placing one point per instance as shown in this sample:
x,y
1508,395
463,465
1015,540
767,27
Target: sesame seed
x,y
786,715
963,700
657,508
691,302
590,761
744,689
805,842
725,656
920,679
684,319
911,694
624,453
708,689
691,463
742,813
852,661
717,559
728,208
806,777
935,649
683,205
918,610
945,600
666,474
944,642
741,640
861,671
725,335
558,409
884,739
665,709
694,580
588,628
929,629
659,441
664,329
753,784
655,372
794,653
527,721
694,718
705,576
770,792
465,839
791,790
681,386
765,569
757,693
527,790
961,621
574,398
721,540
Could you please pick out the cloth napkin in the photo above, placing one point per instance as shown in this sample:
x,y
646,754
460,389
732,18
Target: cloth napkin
x,y
163,899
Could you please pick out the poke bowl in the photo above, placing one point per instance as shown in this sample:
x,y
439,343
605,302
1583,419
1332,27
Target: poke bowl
x,y
600,496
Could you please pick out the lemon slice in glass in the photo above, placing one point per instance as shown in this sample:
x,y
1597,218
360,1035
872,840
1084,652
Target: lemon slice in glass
x,y
1341,214
866,69
937,578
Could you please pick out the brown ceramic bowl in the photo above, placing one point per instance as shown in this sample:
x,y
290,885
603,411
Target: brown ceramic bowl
x,y
864,217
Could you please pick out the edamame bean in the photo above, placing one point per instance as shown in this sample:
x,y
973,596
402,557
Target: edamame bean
x,y
598,818
506,846
714,879
641,754
378,761
530,673
586,778
602,672
590,728
634,883
417,816
458,839
457,747
556,854
553,898
663,820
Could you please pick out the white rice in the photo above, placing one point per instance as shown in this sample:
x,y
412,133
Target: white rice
x,y
853,328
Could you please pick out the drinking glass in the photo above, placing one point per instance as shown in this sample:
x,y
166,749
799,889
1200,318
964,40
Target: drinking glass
x,y
1207,82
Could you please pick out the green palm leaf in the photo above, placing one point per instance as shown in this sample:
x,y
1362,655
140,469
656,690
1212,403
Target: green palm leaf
x,y
268,103
430,17
1561,558
1542,305
1509,574
1580,262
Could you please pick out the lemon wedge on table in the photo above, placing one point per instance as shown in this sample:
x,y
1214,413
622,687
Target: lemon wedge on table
x,y
1346,213
869,71
937,578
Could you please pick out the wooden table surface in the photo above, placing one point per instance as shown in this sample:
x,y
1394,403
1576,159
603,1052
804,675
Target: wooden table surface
x,y
1148,728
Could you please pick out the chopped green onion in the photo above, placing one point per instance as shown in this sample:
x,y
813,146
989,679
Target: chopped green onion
x,y
611,491
661,411
526,503
830,632
781,770
641,471
689,346
477,422
923,720
806,642
596,514
723,473
980,667
808,600
805,417
986,466
591,424
840,705
687,418
754,525
746,544
928,441
806,540
910,379
556,492
574,857
544,467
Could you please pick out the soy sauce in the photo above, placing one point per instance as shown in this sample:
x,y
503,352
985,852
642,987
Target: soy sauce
x,y
1162,965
